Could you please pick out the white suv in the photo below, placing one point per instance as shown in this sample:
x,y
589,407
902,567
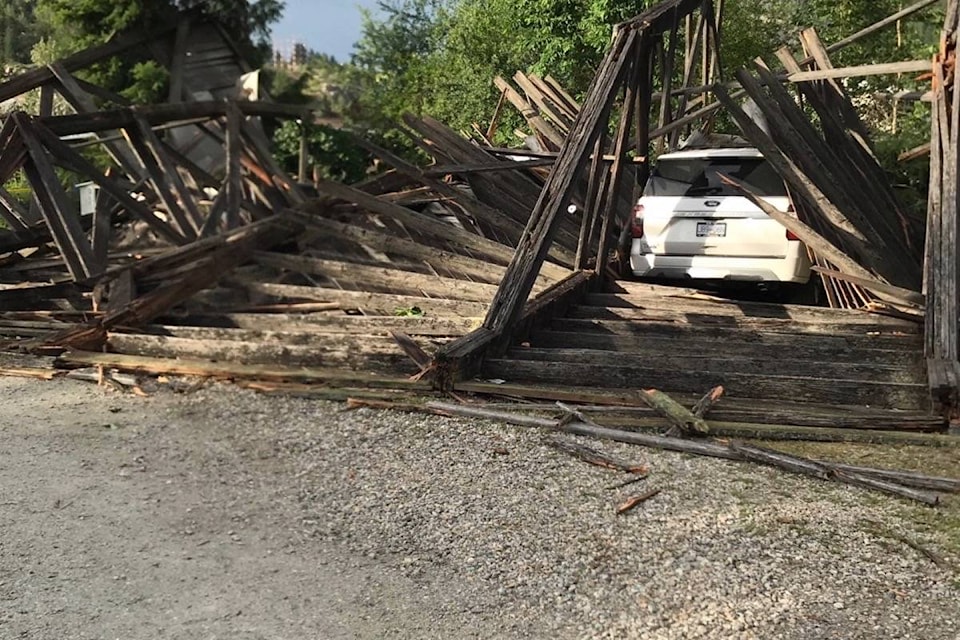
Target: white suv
x,y
688,224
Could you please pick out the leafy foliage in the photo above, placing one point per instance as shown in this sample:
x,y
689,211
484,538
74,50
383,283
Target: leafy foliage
x,y
17,30
62,27
331,152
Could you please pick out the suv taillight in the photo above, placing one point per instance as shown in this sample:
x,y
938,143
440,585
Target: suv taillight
x,y
636,222
790,234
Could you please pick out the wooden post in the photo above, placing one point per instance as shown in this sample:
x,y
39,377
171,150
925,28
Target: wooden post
x,y
644,100
634,79
595,193
666,114
46,100
303,171
693,42
232,183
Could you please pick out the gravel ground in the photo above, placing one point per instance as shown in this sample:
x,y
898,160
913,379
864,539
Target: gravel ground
x,y
274,517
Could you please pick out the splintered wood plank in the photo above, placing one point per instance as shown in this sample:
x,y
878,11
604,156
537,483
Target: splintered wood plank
x,y
219,260
229,371
346,352
909,396
866,324
385,304
329,323
381,339
395,280
807,347
756,362
683,330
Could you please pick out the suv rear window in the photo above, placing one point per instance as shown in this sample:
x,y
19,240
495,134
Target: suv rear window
x,y
698,177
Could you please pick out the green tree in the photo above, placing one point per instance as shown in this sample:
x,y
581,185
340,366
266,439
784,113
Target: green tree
x,y
17,30
67,26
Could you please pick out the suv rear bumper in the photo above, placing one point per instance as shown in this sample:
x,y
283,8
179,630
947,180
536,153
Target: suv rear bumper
x,y
789,269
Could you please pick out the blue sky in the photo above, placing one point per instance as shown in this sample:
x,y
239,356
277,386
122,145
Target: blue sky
x,y
327,26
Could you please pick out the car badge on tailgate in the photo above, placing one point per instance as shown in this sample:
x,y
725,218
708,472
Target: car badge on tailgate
x,y
712,203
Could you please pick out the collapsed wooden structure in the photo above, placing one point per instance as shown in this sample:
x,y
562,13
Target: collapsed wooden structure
x,y
203,257
868,249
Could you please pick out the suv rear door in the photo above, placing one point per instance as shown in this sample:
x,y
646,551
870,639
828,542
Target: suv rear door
x,y
688,211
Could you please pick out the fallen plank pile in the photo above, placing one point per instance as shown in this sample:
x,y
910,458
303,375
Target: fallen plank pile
x,y
848,214
912,486
202,256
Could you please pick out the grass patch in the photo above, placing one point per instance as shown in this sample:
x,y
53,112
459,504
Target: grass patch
x,y
941,523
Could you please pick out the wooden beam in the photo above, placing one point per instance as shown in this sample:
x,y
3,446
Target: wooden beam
x,y
13,212
233,180
886,68
430,324
61,219
635,81
100,237
346,352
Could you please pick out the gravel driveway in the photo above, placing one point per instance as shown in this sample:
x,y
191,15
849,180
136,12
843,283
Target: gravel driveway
x,y
225,514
